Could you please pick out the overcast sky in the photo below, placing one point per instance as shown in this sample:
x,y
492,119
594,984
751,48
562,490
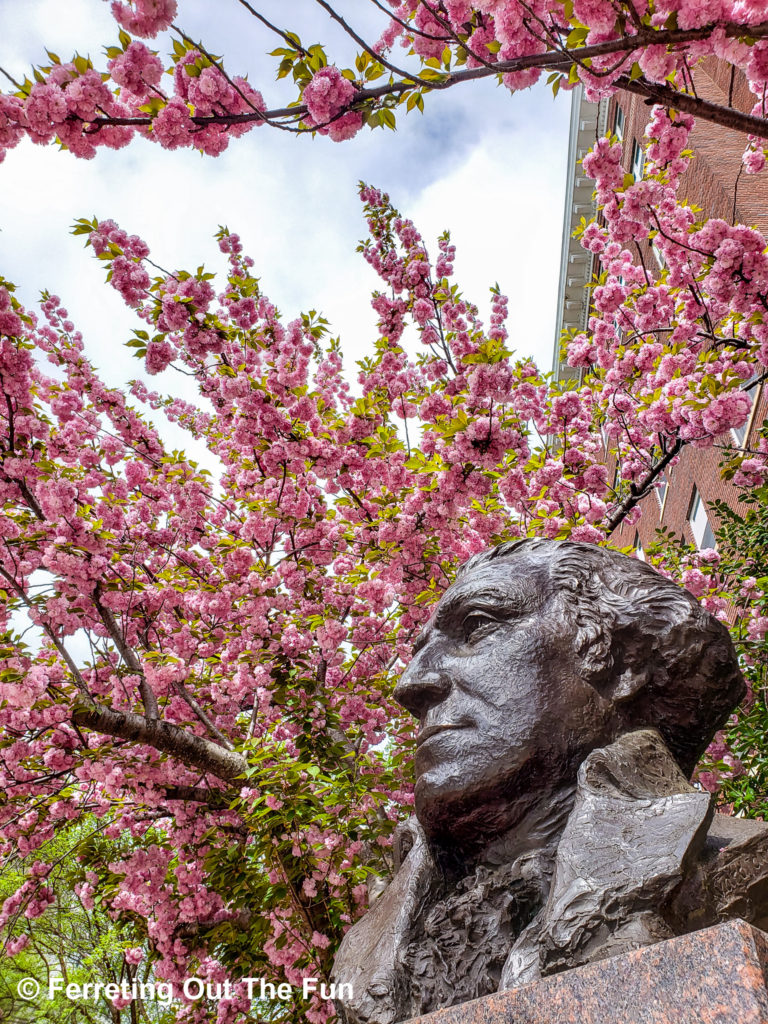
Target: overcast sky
x,y
487,165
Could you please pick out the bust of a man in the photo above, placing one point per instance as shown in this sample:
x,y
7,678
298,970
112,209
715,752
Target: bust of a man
x,y
564,694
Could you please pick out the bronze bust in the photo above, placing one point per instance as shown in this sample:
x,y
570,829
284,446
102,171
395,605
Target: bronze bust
x,y
564,694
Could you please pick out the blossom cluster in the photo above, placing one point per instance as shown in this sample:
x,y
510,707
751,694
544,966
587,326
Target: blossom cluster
x,y
145,17
84,109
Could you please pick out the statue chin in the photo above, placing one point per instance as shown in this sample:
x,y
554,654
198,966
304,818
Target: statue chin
x,y
442,810
451,810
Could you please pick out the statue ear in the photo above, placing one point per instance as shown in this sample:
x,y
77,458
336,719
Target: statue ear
x,y
628,684
633,655
615,656
616,661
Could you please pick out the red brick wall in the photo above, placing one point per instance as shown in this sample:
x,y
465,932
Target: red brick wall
x,y
699,467
710,183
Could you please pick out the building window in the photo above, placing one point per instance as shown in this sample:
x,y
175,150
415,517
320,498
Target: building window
x,y
740,433
639,553
699,522
661,490
638,160
618,127
658,254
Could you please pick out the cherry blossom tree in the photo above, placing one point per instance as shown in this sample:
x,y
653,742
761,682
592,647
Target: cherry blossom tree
x,y
75,941
203,663
735,576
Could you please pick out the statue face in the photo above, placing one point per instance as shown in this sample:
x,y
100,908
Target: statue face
x,y
504,717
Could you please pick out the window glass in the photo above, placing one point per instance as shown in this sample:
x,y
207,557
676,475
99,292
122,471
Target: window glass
x,y
740,433
618,128
661,490
638,160
700,525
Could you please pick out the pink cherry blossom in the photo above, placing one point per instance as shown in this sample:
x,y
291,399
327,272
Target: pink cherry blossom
x,y
138,69
145,17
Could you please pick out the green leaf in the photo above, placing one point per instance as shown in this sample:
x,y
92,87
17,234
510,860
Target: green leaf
x,y
428,75
152,106
285,68
317,58
576,37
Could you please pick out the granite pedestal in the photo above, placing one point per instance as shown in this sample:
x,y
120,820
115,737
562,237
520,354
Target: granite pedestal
x,y
715,976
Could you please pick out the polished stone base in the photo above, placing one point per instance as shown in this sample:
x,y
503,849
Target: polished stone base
x,y
715,976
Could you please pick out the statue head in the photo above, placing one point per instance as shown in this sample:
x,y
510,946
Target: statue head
x,y
542,651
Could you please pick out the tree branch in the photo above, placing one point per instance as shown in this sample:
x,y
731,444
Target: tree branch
x,y
668,97
215,798
242,921
203,717
148,698
171,739
549,61
63,652
639,491
364,46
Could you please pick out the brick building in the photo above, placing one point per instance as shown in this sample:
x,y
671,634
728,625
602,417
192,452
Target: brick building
x,y
683,502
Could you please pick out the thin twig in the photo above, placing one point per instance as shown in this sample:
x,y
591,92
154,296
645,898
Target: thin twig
x,y
273,28
12,80
368,49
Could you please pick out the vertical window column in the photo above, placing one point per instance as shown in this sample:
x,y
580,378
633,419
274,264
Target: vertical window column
x,y
638,160
618,124
701,527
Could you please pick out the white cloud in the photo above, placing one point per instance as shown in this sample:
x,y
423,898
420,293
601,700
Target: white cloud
x,y
504,209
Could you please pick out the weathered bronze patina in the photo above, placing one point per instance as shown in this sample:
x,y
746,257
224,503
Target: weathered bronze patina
x,y
564,694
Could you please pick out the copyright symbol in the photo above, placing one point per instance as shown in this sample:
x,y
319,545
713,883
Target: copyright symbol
x,y
28,988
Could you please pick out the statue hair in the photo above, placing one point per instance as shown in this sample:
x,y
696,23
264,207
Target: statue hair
x,y
642,640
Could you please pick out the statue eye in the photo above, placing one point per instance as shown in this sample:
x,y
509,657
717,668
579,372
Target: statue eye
x,y
474,622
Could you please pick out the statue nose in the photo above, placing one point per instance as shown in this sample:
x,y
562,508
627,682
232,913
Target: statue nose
x,y
420,690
